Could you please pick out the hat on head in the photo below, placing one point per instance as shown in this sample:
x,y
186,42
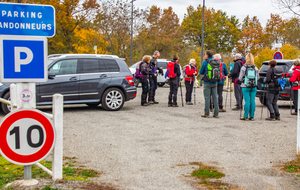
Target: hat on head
x,y
192,60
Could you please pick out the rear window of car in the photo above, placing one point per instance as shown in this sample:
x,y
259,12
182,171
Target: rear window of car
x,y
264,68
162,64
111,65
92,66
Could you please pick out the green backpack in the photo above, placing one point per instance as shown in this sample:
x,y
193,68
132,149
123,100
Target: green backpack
x,y
214,71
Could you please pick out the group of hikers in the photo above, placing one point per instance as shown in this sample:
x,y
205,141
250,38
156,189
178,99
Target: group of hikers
x,y
242,73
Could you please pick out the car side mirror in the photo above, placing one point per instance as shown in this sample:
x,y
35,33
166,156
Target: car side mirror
x,y
51,75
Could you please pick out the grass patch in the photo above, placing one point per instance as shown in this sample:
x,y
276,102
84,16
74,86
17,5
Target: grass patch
x,y
11,172
207,172
293,166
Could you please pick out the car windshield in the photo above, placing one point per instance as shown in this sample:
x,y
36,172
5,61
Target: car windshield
x,y
135,65
49,61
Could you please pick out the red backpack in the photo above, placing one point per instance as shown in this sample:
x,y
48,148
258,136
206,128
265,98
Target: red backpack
x,y
221,70
170,70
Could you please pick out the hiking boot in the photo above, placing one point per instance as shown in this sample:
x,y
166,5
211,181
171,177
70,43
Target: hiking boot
x,y
145,104
243,118
270,119
150,102
251,118
155,102
204,115
277,118
294,113
175,105
169,105
222,110
215,116
236,109
189,103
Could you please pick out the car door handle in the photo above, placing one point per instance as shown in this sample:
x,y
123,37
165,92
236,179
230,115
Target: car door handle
x,y
73,78
103,76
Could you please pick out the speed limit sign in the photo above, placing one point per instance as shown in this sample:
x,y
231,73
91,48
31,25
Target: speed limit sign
x,y
26,136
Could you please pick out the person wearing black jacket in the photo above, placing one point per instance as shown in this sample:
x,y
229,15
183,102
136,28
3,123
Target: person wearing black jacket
x,y
145,73
273,91
174,83
234,75
153,79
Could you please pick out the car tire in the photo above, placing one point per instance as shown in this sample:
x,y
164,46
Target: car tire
x,y
113,99
263,100
161,84
92,105
136,82
6,108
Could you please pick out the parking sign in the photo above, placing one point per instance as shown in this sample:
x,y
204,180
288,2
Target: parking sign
x,y
24,59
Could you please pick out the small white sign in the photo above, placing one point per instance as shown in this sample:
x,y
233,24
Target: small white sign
x,y
26,95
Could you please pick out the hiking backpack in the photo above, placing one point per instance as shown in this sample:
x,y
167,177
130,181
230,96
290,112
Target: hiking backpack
x,y
170,70
138,73
183,71
221,70
278,78
214,71
250,79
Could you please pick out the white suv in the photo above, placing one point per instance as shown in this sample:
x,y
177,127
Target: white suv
x,y
161,80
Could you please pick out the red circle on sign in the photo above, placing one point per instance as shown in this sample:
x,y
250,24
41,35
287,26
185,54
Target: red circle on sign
x,y
278,55
26,159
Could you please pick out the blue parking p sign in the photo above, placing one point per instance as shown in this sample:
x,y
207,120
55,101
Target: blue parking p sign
x,y
23,60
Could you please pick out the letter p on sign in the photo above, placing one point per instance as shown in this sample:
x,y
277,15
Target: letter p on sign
x,y
19,61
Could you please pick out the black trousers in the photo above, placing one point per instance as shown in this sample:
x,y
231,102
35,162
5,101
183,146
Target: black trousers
x,y
189,90
145,90
272,98
296,100
174,83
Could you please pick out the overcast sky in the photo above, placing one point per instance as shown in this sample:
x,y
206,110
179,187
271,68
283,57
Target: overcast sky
x,y
240,8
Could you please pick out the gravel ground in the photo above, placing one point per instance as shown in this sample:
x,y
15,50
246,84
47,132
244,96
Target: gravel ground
x,y
142,147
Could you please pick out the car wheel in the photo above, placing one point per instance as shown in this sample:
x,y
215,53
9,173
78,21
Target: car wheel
x,y
6,108
93,105
263,100
113,99
161,84
136,82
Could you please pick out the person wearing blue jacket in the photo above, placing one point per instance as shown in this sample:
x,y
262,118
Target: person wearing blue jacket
x,y
221,83
210,88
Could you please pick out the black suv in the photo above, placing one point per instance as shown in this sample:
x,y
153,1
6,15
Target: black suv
x,y
261,87
84,79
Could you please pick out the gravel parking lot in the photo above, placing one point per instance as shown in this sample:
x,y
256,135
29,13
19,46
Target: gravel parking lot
x,y
142,147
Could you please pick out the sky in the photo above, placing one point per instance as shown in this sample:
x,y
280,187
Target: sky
x,y
239,8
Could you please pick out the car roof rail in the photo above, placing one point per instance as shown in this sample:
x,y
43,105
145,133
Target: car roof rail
x,y
86,55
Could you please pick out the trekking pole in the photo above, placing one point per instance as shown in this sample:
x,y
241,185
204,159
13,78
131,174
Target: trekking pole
x,y
230,83
290,98
181,92
264,88
226,94
195,89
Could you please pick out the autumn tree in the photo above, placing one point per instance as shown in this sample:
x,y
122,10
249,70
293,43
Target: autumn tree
x,y
288,6
250,37
274,31
221,32
263,55
291,32
289,51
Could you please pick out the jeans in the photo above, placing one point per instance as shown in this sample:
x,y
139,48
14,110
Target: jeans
x,y
238,95
272,98
153,87
249,97
189,90
211,90
220,96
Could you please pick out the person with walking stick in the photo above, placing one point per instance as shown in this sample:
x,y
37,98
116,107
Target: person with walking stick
x,y
295,79
173,72
189,72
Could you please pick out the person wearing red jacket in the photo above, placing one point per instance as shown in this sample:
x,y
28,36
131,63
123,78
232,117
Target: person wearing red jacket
x,y
190,75
296,84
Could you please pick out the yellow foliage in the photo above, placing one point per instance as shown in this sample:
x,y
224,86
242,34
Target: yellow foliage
x,y
263,55
289,51
196,56
87,39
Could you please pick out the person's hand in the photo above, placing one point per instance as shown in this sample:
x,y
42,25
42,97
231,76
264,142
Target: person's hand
x,y
155,74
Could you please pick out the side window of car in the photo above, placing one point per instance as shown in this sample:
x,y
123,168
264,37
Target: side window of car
x,y
162,64
92,66
64,67
111,65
